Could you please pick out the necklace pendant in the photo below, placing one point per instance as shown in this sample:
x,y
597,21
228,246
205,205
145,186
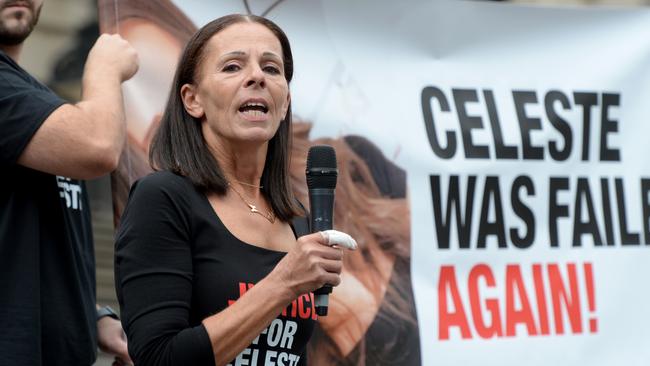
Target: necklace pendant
x,y
267,215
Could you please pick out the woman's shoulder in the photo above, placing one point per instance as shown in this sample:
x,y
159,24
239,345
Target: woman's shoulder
x,y
163,179
163,183
164,193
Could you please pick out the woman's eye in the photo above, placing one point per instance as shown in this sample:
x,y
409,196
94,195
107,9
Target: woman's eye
x,y
231,68
272,70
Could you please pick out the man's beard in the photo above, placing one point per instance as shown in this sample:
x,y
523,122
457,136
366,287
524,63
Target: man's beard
x,y
14,35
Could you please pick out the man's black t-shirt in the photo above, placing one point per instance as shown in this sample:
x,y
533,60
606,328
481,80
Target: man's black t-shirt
x,y
47,266
176,263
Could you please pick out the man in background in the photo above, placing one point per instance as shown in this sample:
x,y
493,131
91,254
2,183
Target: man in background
x,y
48,314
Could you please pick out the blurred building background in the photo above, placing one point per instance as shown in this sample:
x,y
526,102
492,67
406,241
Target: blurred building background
x,y
584,2
55,53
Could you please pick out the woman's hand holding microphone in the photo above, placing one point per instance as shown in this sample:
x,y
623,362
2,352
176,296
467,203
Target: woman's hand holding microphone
x,y
316,260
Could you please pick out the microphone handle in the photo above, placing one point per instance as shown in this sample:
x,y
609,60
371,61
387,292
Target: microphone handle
x,y
321,202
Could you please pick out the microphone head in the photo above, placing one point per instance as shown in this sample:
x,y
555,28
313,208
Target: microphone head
x,y
321,167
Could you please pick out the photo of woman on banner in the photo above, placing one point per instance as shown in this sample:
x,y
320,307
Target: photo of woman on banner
x,y
372,318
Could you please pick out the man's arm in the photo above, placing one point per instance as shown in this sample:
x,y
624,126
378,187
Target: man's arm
x,y
85,140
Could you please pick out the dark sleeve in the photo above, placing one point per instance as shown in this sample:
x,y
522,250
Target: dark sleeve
x,y
24,106
153,275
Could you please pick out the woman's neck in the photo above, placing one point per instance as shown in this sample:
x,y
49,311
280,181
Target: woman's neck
x,y
242,164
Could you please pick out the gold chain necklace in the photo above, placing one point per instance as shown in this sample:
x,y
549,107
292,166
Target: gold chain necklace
x,y
268,215
249,185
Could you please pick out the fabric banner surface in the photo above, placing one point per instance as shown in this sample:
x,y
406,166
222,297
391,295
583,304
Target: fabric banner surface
x,y
492,164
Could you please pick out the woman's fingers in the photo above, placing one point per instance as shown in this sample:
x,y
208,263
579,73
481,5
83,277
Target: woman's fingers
x,y
330,279
316,260
332,266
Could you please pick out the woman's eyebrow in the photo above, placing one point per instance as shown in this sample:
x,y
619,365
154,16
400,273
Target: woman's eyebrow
x,y
271,55
233,53
240,54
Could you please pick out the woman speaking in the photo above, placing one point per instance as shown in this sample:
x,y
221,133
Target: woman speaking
x,y
208,268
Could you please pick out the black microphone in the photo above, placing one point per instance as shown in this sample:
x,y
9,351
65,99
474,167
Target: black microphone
x,y
321,181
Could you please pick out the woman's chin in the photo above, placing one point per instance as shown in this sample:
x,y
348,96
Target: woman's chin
x,y
253,135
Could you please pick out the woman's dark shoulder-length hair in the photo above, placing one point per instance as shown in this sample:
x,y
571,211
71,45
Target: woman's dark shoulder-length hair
x,y
179,145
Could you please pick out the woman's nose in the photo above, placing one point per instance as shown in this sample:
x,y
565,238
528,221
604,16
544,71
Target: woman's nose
x,y
256,77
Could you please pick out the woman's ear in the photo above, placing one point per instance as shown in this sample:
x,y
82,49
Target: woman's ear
x,y
192,101
286,106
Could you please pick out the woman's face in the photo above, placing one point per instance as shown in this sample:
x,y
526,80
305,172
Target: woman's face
x,y
242,93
